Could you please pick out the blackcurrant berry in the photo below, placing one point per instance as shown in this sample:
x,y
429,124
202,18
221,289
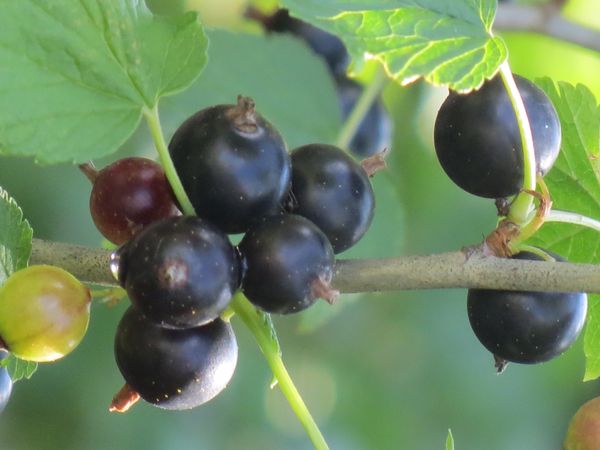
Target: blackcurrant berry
x,y
175,369
333,191
127,195
526,327
288,262
44,313
324,44
180,272
5,384
232,163
374,134
478,143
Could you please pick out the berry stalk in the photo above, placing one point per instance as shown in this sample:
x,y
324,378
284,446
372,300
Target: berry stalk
x,y
256,323
362,106
153,120
523,203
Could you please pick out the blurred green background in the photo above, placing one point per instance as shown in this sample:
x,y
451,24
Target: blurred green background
x,y
387,371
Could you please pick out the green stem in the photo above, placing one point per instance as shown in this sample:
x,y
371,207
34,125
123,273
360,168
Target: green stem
x,y
361,108
523,204
153,121
573,218
259,324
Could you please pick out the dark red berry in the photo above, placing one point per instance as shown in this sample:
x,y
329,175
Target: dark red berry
x,y
180,272
333,191
129,194
288,264
233,165
478,143
175,369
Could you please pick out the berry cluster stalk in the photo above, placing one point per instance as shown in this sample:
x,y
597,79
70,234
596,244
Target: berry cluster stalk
x,y
523,204
262,330
361,108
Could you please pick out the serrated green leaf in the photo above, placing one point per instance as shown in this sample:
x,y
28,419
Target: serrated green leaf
x,y
448,43
449,440
18,369
574,184
77,74
290,85
15,237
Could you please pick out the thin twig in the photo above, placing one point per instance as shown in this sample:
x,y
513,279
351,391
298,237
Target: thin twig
x,y
460,269
547,20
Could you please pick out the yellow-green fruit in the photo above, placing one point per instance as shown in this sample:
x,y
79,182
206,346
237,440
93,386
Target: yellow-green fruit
x,y
44,313
584,429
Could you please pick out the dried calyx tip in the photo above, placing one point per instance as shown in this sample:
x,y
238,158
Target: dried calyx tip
x,y
243,115
375,163
321,289
124,399
500,364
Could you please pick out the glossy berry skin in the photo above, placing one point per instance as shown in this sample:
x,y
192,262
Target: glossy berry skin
x,y
233,165
5,384
478,143
526,327
175,369
129,194
374,134
180,272
324,44
334,192
44,313
284,257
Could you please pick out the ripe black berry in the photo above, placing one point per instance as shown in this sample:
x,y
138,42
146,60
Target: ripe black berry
x,y
232,163
288,262
374,134
180,272
526,327
324,44
127,195
333,191
175,369
5,384
478,143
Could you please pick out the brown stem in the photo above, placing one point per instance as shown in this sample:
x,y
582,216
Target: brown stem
x,y
124,399
89,170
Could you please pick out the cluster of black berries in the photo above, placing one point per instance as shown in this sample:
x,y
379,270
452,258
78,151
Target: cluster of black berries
x,y
478,144
375,131
296,210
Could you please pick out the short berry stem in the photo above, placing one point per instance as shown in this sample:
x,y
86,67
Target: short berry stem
x,y
89,170
573,218
124,399
361,108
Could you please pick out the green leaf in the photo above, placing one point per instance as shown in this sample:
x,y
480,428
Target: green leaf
x,y
290,85
449,440
77,74
15,237
574,184
18,368
448,43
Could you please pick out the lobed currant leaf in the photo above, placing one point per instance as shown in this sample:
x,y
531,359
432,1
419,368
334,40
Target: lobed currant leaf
x,y
15,237
448,43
